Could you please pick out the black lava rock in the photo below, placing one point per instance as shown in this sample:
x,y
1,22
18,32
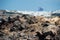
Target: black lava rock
x,y
2,21
20,28
45,24
30,21
14,28
39,36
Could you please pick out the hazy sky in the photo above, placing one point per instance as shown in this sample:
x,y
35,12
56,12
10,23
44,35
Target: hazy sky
x,y
30,5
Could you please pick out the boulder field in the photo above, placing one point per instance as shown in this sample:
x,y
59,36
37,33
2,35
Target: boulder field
x,y
27,27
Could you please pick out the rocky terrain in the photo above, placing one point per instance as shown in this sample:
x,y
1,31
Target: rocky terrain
x,y
28,27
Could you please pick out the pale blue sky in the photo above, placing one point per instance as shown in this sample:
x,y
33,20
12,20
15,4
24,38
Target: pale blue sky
x,y
30,5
